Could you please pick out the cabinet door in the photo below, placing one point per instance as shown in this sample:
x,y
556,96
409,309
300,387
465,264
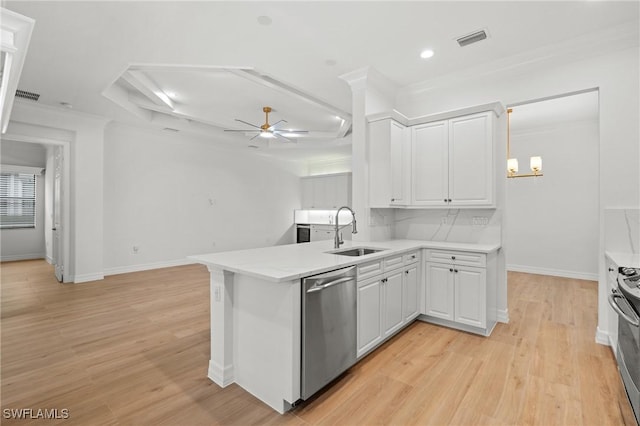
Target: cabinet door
x,y
399,164
369,309
439,290
471,174
392,302
470,296
410,293
388,165
306,186
429,167
320,192
339,191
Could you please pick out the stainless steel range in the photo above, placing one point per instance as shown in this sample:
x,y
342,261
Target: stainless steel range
x,y
626,302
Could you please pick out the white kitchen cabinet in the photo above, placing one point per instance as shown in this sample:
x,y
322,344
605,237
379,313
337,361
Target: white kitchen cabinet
x,y
429,164
326,191
460,290
410,293
452,162
369,310
388,164
439,290
392,310
388,293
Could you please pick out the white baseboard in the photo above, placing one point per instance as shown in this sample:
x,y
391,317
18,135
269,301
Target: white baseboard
x,y
221,376
27,256
553,272
602,337
147,266
503,316
49,260
83,278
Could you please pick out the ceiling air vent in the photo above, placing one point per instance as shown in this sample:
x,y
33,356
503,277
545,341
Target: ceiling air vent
x,y
27,95
170,129
472,38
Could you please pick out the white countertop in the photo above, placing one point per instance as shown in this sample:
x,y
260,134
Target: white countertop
x,y
294,261
628,260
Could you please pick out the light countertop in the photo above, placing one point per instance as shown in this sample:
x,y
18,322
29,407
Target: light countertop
x,y
294,261
629,260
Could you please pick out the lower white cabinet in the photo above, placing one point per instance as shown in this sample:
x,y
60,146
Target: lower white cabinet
x,y
388,301
392,308
410,293
458,292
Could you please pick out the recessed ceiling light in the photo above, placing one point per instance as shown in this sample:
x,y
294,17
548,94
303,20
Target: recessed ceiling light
x,y
66,105
264,20
427,53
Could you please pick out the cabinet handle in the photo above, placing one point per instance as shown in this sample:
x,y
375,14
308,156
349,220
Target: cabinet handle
x,y
406,272
611,269
450,269
393,199
455,270
449,200
445,200
384,280
453,258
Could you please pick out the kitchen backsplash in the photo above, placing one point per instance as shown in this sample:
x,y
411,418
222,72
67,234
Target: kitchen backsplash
x,y
622,230
455,225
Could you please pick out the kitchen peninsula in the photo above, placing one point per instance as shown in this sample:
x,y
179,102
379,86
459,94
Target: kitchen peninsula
x,y
256,303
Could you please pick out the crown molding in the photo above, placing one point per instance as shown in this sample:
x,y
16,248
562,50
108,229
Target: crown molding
x,y
599,43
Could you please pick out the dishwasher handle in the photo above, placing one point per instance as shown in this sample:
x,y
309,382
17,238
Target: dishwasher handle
x,y
330,284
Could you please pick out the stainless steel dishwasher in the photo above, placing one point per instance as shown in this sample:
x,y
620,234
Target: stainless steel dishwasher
x,y
328,328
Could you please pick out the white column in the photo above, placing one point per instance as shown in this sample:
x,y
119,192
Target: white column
x,y
221,297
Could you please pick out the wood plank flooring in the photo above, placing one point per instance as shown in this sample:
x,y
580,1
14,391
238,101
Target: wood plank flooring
x,y
134,349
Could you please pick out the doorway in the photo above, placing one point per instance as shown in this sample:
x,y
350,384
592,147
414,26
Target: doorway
x,y
53,239
552,221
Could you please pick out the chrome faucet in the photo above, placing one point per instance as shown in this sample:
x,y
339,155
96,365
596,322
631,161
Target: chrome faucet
x,y
337,239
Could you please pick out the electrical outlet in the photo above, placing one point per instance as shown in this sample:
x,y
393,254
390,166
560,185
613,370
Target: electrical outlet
x,y
135,249
480,221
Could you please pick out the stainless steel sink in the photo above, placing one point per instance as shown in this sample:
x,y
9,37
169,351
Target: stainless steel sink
x,y
355,251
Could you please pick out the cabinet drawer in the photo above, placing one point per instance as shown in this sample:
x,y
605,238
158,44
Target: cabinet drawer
x,y
411,257
457,257
369,269
392,262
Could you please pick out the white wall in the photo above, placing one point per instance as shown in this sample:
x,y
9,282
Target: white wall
x,y
552,221
173,195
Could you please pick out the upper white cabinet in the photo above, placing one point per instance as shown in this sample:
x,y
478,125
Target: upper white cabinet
x,y
14,41
388,156
433,162
326,191
452,162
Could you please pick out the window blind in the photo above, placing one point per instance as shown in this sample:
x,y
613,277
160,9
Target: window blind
x,y
17,200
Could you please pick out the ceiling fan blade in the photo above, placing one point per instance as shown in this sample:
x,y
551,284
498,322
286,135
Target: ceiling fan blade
x,y
244,131
273,126
247,123
277,135
257,134
291,131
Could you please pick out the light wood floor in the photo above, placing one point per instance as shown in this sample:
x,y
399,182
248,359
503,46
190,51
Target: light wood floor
x,y
134,349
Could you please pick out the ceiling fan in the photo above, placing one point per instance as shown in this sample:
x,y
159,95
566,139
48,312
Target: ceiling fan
x,y
269,131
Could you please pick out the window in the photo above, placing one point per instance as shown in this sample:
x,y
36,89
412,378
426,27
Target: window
x,y
17,200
